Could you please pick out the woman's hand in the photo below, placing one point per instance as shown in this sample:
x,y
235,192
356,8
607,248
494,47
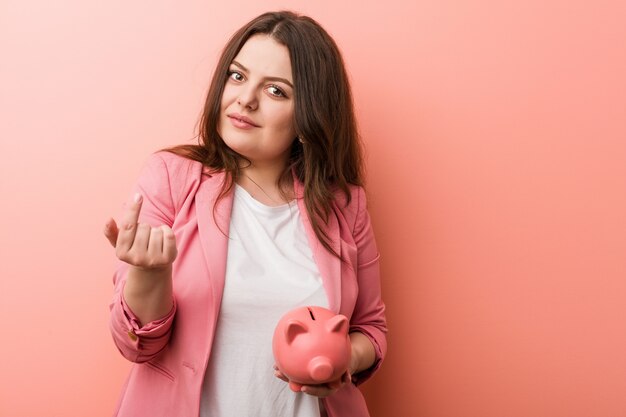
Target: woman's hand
x,y
319,390
139,244
150,251
362,357
328,388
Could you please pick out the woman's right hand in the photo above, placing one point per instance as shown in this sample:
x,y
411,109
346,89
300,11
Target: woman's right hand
x,y
150,252
145,247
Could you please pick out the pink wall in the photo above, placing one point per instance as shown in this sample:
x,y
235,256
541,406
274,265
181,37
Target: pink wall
x,y
497,175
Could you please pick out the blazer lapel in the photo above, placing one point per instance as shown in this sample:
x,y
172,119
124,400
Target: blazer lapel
x,y
328,264
213,227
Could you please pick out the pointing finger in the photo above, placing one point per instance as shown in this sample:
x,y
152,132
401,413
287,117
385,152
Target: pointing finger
x,y
128,225
132,212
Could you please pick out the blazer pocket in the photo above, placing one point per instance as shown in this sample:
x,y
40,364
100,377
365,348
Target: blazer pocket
x,y
160,369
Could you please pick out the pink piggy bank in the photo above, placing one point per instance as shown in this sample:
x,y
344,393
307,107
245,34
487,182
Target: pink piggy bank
x,y
311,346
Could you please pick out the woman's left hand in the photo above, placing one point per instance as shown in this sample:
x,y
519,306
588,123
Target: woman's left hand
x,y
361,357
320,390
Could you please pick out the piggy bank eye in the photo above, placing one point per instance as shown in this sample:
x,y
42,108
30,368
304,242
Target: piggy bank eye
x,y
311,313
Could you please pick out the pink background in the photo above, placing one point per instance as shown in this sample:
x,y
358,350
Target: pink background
x,y
496,136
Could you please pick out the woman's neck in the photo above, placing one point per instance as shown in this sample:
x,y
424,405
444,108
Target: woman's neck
x,y
263,183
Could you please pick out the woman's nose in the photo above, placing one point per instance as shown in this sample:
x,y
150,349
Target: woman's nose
x,y
247,98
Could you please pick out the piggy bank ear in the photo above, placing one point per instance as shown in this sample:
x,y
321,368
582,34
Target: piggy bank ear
x,y
337,324
294,328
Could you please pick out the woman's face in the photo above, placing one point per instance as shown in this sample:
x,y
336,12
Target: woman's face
x,y
259,88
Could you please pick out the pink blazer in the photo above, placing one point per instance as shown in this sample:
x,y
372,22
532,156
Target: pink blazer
x,y
170,355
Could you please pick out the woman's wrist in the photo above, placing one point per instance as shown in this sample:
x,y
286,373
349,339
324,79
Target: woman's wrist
x,y
142,282
363,353
149,293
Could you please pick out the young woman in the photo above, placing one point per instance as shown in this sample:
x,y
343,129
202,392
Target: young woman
x,y
265,214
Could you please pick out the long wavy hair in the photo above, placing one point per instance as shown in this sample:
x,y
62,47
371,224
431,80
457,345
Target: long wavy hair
x,y
330,159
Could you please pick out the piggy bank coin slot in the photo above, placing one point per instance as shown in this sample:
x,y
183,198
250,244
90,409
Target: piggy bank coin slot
x,y
311,313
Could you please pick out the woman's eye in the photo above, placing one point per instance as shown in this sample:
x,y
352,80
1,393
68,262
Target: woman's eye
x,y
275,91
235,75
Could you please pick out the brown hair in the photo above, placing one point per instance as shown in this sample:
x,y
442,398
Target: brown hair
x,y
330,158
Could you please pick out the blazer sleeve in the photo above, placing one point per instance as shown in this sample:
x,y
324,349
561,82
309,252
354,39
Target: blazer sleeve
x,y
135,342
368,316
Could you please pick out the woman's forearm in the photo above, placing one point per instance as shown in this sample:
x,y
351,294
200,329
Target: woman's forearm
x,y
149,293
363,352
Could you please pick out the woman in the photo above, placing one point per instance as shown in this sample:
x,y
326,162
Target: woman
x,y
266,214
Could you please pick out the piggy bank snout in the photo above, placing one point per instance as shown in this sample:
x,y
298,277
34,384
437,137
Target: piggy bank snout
x,y
320,368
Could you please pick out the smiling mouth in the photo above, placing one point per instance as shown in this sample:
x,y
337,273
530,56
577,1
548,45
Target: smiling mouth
x,y
242,119
240,123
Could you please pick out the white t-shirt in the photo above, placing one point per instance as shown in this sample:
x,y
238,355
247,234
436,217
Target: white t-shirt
x,y
269,271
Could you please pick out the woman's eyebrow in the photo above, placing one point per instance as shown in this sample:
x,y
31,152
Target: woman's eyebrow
x,y
266,78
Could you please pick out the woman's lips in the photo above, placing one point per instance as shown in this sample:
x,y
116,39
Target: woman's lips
x,y
241,122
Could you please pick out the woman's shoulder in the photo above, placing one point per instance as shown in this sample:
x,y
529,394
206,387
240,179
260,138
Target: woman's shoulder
x,y
173,161
182,175
176,177
351,202
355,192
181,169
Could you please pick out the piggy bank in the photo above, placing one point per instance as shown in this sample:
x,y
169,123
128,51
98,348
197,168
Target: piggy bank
x,y
311,346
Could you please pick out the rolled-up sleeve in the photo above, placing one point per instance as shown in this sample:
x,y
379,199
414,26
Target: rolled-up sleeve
x,y
368,316
137,342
